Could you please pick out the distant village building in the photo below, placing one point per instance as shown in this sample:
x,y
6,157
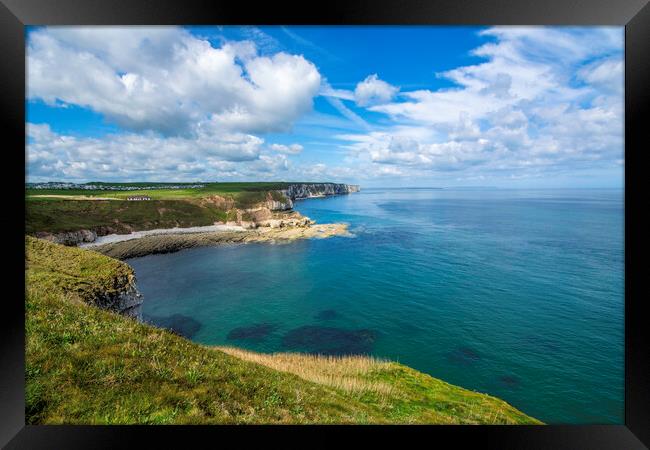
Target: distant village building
x,y
138,198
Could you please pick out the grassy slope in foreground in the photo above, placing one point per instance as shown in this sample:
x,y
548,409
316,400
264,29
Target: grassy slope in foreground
x,y
85,365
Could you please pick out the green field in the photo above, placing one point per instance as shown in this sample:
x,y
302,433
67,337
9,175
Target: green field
x,y
167,208
89,366
235,190
118,216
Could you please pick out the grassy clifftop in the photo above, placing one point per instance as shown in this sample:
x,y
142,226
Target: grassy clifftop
x,y
240,190
86,365
62,210
59,215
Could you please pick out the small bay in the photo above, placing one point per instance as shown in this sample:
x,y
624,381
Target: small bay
x,y
516,293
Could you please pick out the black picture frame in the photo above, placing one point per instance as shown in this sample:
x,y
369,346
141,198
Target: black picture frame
x,y
633,14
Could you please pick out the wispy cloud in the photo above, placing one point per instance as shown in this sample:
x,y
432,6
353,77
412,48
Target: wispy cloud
x,y
309,44
347,112
334,97
544,100
327,90
264,41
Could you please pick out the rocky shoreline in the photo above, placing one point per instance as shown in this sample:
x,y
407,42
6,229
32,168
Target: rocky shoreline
x,y
272,219
113,238
169,243
275,211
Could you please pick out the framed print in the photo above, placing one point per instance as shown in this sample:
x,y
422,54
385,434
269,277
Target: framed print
x,y
272,219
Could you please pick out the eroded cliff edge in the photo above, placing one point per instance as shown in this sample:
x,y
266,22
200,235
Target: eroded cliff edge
x,y
124,299
250,210
84,276
310,190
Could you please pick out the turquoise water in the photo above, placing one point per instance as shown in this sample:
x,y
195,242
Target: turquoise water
x,y
515,293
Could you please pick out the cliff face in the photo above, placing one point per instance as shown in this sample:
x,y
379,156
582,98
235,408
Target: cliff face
x,y
93,278
125,299
304,190
277,212
297,191
274,209
274,205
69,237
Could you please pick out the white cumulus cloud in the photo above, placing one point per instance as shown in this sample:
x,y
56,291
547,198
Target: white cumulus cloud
x,y
373,91
133,155
167,80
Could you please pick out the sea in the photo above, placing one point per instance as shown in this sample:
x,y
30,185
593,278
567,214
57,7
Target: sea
x,y
515,293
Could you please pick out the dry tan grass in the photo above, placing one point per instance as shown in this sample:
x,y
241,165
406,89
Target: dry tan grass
x,y
342,372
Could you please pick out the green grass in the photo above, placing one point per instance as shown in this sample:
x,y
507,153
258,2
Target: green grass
x,y
121,216
80,273
89,366
223,189
168,207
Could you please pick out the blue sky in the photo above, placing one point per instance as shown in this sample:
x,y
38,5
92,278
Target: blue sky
x,y
379,106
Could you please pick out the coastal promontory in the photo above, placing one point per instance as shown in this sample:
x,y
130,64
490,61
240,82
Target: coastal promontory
x,y
84,214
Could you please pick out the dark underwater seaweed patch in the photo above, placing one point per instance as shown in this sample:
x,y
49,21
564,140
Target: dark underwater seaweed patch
x,y
464,356
541,344
255,332
327,314
177,323
509,381
329,340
